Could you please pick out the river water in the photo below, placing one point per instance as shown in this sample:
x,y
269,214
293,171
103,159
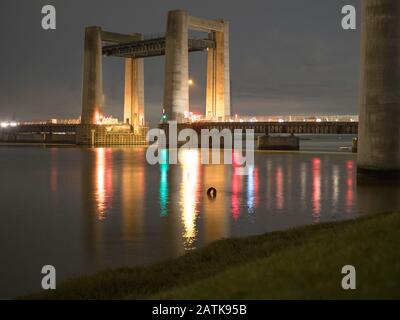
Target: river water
x,y
87,209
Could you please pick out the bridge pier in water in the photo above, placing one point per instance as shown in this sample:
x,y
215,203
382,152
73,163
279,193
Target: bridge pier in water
x,y
379,126
91,131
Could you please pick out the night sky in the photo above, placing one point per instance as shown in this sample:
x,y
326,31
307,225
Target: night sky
x,y
287,56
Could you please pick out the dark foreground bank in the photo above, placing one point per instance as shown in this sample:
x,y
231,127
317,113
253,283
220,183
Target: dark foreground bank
x,y
303,263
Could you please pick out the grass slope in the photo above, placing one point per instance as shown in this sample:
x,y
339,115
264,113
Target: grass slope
x,y
300,263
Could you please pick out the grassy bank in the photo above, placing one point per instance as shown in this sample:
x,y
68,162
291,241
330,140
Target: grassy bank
x,y
299,263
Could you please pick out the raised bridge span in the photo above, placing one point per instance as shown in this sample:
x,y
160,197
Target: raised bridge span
x,y
152,46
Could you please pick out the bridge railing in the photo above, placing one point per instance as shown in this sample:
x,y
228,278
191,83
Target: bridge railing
x,y
275,118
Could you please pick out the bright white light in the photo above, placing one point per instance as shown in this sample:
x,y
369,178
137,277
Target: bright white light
x,y
4,124
13,124
99,118
281,120
188,190
318,120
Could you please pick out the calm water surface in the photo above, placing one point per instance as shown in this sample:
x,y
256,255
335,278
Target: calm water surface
x,y
84,210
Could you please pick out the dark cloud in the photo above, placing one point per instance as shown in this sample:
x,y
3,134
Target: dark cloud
x,y
287,56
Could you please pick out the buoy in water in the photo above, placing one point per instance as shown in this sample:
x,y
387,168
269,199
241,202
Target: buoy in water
x,y
212,193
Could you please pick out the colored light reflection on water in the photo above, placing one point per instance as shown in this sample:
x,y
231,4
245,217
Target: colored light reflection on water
x,y
316,195
350,186
103,177
252,189
280,197
188,195
236,188
101,208
163,189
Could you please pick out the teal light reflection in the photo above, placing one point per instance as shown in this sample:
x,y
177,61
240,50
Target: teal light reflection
x,y
163,192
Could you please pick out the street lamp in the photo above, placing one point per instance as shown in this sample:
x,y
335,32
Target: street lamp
x,y
191,83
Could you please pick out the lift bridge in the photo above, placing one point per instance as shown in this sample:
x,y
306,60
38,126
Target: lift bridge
x,y
175,44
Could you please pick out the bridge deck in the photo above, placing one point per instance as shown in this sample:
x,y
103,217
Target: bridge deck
x,y
151,48
333,127
42,128
259,127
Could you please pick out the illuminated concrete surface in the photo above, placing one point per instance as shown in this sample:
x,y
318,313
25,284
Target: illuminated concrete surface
x,y
92,95
176,46
134,91
176,86
379,128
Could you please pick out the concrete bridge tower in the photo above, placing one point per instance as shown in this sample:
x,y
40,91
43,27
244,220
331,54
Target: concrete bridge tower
x,y
92,94
176,86
218,96
134,90
379,127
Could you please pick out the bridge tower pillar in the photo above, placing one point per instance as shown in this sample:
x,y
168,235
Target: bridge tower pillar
x,y
92,96
134,91
379,126
176,86
218,103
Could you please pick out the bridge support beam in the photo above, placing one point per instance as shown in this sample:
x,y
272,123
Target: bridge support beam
x,y
218,76
176,86
92,96
134,91
379,126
